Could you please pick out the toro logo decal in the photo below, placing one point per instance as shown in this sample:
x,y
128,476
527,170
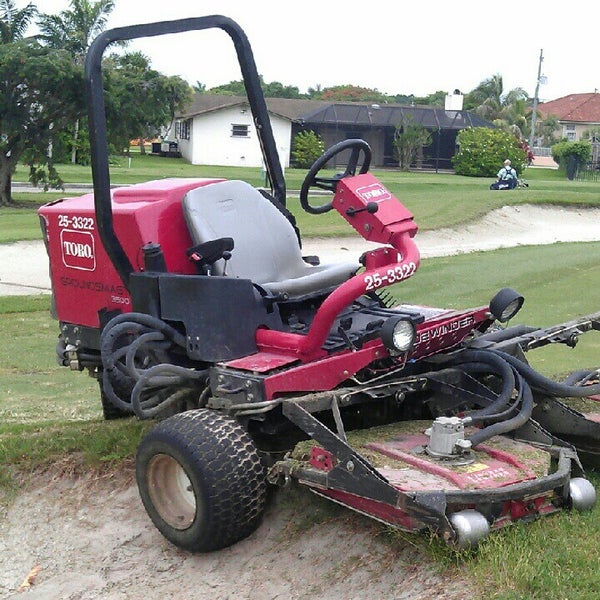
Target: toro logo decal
x,y
77,248
373,193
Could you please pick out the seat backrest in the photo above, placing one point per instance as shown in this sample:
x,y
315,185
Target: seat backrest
x,y
265,244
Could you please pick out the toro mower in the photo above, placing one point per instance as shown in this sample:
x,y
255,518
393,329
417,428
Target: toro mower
x,y
191,303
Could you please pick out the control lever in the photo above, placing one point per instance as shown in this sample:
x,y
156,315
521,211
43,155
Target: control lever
x,y
371,208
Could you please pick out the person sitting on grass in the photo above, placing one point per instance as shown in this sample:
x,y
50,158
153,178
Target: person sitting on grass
x,y
507,178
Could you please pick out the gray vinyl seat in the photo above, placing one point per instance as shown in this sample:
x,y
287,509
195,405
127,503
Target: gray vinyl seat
x,y
266,248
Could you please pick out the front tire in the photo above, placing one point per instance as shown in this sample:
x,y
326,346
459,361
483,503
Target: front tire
x,y
201,480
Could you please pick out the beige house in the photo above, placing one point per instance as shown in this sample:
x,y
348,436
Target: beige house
x,y
576,113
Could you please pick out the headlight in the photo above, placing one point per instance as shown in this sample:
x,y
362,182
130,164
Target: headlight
x,y
506,304
398,334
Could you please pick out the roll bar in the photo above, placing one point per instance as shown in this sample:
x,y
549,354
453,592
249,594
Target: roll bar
x,y
97,117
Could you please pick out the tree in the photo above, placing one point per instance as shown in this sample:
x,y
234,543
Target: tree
x,y
40,91
14,22
409,139
275,89
74,30
547,129
308,146
490,102
352,93
199,87
139,100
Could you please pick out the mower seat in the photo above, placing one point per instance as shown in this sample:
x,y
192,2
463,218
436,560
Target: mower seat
x,y
266,248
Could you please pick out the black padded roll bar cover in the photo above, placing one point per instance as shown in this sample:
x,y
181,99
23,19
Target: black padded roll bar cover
x,y
97,117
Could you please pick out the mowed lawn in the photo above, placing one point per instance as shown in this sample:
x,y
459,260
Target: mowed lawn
x,y
436,199
51,415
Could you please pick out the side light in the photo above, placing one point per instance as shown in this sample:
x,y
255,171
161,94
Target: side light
x,y
398,334
506,304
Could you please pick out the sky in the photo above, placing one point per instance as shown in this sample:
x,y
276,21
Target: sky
x,y
396,47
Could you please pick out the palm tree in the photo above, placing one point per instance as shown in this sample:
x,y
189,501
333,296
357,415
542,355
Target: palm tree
x,y
14,22
74,30
490,102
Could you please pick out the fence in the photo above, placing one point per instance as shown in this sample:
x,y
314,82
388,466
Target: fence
x,y
539,151
588,172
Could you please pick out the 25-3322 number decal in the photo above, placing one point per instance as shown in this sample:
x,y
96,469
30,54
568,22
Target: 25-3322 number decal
x,y
73,222
389,276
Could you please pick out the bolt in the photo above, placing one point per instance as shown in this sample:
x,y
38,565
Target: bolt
x,y
463,444
350,466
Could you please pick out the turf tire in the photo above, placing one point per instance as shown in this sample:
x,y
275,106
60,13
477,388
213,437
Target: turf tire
x,y
201,480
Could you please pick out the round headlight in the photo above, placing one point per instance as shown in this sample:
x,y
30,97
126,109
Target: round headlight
x,y
398,334
506,304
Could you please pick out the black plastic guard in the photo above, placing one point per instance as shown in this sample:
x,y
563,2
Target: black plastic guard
x,y
220,315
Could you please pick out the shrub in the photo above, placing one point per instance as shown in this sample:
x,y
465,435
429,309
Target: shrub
x,y
409,139
308,146
482,152
581,151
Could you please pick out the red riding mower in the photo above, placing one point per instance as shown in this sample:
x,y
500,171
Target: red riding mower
x,y
190,301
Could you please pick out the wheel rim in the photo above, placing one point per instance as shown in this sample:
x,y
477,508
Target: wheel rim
x,y
171,492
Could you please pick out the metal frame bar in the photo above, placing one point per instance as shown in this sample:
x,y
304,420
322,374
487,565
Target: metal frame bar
x,y
97,117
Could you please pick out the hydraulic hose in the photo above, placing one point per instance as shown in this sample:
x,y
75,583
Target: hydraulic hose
x,y
515,422
161,377
120,368
580,377
484,361
507,412
545,385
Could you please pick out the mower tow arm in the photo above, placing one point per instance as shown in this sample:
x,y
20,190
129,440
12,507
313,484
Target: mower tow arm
x,y
528,338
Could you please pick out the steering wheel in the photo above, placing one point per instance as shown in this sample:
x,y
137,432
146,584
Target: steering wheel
x,y
330,183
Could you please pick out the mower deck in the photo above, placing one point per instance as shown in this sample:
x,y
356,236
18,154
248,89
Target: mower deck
x,y
504,480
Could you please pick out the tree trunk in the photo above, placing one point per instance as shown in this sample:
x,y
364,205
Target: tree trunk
x,y
6,171
142,146
74,149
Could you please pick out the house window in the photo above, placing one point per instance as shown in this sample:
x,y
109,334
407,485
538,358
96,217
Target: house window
x,y
240,130
571,133
183,129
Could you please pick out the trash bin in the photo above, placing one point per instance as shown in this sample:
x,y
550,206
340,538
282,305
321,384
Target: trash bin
x,y
572,166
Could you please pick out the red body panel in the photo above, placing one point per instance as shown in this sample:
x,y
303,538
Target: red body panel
x,y
84,280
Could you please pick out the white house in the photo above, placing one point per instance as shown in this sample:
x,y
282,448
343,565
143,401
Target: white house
x,y
219,130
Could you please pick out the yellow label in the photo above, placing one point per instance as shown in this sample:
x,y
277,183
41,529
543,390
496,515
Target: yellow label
x,y
475,467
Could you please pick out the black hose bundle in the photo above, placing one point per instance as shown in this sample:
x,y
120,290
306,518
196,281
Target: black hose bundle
x,y
548,386
513,406
137,373
515,402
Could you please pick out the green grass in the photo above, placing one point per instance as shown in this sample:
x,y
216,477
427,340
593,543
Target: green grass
x,y
51,416
48,414
554,558
436,199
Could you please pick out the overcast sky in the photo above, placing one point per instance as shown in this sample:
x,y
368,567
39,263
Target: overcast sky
x,y
397,47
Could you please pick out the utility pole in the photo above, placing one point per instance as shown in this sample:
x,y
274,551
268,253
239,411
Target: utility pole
x,y
535,99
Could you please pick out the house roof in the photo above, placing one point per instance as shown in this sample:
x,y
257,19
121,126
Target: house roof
x,y
320,112
382,115
583,108
288,108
